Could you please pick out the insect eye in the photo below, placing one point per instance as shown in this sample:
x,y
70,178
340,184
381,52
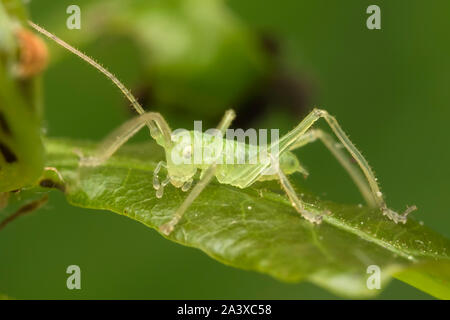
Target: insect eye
x,y
187,152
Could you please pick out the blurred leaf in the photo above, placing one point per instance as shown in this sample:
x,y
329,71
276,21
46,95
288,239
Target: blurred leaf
x,y
257,228
22,152
15,8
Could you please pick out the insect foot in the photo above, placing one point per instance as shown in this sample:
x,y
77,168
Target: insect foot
x,y
311,217
166,228
160,190
394,216
156,183
187,185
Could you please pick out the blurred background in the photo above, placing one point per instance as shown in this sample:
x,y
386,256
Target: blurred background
x,y
270,60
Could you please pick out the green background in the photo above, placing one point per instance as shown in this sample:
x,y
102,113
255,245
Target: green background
x,y
388,88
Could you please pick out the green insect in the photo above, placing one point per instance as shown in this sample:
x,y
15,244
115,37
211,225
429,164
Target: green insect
x,y
282,161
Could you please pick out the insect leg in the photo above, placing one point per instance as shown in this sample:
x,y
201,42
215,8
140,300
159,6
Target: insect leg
x,y
296,202
291,137
159,130
362,162
160,191
156,183
168,227
226,120
187,185
336,149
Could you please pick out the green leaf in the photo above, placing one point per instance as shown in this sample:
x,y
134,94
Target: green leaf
x,y
430,277
257,228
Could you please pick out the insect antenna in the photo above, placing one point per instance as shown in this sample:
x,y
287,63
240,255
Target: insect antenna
x,y
93,63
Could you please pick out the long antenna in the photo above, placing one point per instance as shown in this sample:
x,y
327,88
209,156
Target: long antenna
x,y
93,63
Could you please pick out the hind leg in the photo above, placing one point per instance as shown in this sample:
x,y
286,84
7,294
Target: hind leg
x,y
295,201
292,137
337,151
